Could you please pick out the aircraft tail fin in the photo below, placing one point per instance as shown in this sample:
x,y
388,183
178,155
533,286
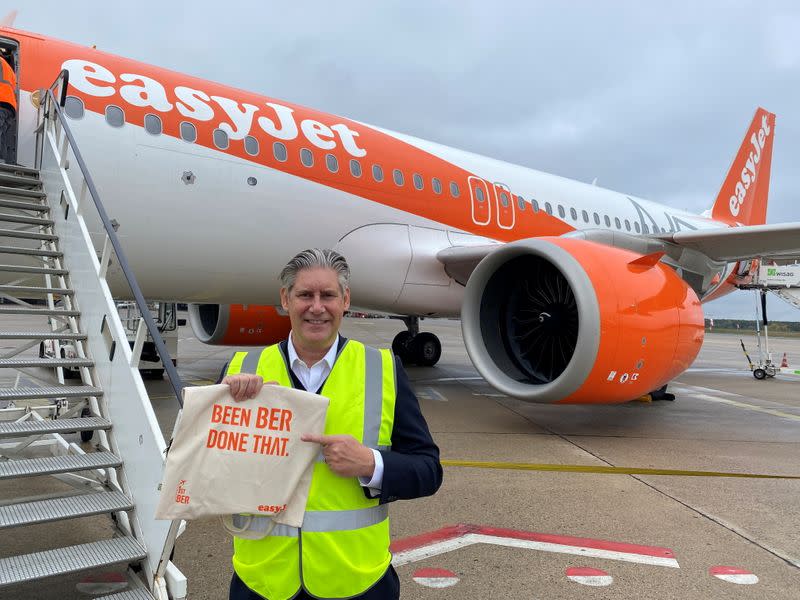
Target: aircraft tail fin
x,y
744,193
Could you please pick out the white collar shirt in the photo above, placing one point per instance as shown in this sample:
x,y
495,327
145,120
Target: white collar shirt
x,y
312,377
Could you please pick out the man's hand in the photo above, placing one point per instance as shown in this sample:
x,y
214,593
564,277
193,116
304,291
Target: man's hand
x,y
344,454
245,385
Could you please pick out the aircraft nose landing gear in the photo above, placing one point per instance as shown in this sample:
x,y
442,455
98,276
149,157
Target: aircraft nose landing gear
x,y
423,349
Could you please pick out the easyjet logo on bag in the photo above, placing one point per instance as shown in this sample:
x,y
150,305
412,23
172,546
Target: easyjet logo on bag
x,y
271,508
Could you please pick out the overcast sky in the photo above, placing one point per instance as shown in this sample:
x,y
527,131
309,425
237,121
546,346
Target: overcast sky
x,y
651,100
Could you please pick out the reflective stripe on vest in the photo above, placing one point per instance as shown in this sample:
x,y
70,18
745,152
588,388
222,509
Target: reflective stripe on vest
x,y
318,520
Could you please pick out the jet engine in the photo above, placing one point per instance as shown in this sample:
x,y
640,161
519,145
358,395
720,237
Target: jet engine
x,y
561,320
238,324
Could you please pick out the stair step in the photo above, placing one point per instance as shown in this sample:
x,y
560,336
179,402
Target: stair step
x,y
35,310
29,251
72,559
41,335
36,426
6,168
138,594
49,465
23,205
33,270
19,363
27,290
13,179
8,218
28,235
57,509
50,391
12,191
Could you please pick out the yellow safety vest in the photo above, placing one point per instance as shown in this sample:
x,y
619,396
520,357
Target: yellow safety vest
x,y
342,549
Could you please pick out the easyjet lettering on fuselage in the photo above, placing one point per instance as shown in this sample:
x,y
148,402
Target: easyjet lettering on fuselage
x,y
278,121
748,176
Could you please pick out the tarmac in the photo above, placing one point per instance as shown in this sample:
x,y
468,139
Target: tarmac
x,y
494,532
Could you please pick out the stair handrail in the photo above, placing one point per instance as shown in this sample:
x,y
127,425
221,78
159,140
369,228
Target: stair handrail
x,y
54,108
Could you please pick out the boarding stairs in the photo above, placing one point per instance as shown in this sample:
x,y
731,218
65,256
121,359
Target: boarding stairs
x,y
790,295
80,461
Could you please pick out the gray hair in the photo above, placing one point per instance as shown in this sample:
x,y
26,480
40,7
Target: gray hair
x,y
314,258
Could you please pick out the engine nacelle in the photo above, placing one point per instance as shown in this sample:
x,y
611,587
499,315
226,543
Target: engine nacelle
x,y
560,320
238,324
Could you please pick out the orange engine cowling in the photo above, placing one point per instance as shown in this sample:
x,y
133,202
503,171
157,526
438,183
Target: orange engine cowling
x,y
560,320
238,324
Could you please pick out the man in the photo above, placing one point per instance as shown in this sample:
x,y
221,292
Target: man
x,y
8,111
376,449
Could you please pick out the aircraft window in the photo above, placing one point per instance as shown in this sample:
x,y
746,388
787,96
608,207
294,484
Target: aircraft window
x,y
585,216
332,163
535,205
418,183
627,225
573,213
454,191
114,116
646,228
479,194
521,202
547,208
251,145
152,124
596,218
188,132
73,106
355,168
504,198
221,140
279,151
636,227
397,175
307,157
561,212
607,220
617,223
436,185
377,173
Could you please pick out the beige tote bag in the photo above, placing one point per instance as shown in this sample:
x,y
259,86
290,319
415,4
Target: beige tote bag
x,y
242,457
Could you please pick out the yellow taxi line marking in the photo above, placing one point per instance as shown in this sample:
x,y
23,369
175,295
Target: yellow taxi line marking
x,y
605,470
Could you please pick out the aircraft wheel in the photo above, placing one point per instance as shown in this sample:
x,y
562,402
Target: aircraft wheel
x,y
759,374
426,349
400,346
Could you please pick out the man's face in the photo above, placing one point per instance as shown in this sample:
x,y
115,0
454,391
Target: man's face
x,y
315,306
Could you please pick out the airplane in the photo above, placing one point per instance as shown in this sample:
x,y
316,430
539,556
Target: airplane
x,y
567,292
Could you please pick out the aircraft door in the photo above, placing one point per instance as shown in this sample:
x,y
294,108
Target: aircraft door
x,y
481,201
505,206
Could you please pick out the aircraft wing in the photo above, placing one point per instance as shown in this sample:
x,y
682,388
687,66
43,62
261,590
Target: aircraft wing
x,y
780,241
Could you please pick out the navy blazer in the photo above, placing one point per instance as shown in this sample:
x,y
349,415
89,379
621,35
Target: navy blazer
x,y
411,469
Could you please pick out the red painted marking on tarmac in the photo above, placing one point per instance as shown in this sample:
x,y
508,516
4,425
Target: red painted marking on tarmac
x,y
728,571
435,578
455,531
584,572
430,572
734,575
